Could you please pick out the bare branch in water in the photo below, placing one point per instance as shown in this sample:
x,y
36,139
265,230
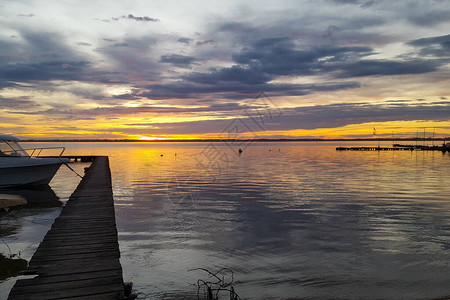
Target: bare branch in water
x,y
219,285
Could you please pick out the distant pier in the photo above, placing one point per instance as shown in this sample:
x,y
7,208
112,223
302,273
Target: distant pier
x,y
371,148
79,256
398,147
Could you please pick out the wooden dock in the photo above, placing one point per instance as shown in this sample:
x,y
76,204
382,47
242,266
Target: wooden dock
x,y
79,256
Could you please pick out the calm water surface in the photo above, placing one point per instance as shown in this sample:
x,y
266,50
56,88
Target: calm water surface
x,y
292,220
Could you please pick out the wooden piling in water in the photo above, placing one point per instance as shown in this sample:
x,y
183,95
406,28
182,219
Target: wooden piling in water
x,y
79,256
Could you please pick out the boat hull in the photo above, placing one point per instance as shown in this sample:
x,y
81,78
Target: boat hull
x,y
28,175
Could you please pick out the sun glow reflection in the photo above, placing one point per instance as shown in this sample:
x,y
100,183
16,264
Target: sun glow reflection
x,y
148,138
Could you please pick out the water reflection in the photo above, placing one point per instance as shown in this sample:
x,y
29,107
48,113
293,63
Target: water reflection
x,y
39,195
26,217
303,221
24,201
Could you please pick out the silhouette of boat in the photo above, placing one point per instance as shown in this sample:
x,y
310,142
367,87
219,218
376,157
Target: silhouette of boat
x,y
20,168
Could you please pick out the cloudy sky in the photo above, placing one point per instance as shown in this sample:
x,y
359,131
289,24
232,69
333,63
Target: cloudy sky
x,y
205,69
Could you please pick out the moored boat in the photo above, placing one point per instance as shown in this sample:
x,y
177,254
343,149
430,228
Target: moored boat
x,y
20,168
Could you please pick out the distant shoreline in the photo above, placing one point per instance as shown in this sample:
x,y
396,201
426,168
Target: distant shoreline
x,y
228,140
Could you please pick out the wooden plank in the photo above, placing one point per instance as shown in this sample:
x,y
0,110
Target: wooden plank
x,y
77,237
85,291
76,258
49,251
79,257
72,253
94,227
60,269
98,240
45,287
68,277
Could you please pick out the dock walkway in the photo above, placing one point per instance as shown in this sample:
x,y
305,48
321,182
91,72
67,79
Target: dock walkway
x,y
79,256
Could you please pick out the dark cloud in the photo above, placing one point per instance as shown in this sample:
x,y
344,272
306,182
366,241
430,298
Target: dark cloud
x,y
438,46
354,2
342,114
370,3
359,23
37,46
247,75
184,40
53,70
26,15
17,102
428,18
121,45
313,117
257,65
313,30
127,97
280,56
177,60
361,3
237,27
238,90
386,67
84,44
202,43
132,59
135,18
346,1
443,40
269,58
40,56
7,83
84,114
44,56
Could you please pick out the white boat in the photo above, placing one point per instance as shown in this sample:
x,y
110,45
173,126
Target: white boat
x,y
20,168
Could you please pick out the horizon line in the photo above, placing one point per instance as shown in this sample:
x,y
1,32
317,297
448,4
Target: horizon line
x,y
236,140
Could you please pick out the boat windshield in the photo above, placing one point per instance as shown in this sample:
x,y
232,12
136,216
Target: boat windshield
x,y
11,148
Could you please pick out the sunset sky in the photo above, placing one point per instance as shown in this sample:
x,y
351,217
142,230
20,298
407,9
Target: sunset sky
x,y
214,69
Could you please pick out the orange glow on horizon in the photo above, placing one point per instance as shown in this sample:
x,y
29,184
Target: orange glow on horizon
x,y
148,138
111,131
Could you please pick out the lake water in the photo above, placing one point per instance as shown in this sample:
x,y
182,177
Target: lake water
x,y
292,220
